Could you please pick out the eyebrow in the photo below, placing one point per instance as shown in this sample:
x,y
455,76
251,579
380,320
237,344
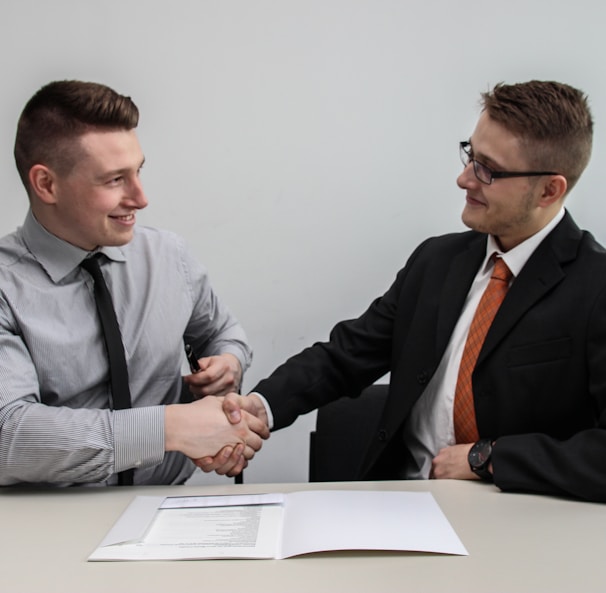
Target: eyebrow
x,y
119,172
486,160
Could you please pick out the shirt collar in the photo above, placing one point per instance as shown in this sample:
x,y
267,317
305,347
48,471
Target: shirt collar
x,y
517,257
58,258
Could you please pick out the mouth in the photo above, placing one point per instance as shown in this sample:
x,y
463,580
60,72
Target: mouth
x,y
124,218
473,201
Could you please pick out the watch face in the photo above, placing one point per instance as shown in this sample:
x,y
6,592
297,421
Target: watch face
x,y
480,453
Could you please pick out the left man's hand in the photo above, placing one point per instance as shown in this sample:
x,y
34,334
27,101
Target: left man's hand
x,y
452,462
230,461
218,375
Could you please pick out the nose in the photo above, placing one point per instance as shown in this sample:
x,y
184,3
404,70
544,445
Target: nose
x,y
467,177
136,195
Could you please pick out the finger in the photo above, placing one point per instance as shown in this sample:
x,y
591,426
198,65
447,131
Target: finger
x,y
255,406
219,388
212,368
254,441
231,407
239,468
207,385
205,464
252,446
234,464
198,385
256,425
225,461
205,362
209,464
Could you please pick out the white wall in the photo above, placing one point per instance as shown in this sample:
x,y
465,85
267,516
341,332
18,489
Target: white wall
x,y
303,147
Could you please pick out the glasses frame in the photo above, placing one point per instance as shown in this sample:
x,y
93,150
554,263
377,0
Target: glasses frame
x,y
479,168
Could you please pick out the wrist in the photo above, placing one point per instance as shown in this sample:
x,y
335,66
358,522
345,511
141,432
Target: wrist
x,y
171,424
480,459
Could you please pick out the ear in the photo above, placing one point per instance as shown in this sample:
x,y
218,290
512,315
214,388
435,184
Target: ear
x,y
43,183
553,190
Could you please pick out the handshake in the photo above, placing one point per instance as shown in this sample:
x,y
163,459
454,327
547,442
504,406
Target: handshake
x,y
219,433
248,415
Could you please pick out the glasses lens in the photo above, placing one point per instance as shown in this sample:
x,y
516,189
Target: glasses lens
x,y
483,173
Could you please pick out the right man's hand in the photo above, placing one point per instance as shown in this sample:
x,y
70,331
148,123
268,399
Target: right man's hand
x,y
230,461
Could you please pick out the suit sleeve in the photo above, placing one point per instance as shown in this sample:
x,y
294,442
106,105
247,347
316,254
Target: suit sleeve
x,y
357,354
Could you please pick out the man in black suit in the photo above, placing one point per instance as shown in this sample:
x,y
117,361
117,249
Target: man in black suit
x,y
538,397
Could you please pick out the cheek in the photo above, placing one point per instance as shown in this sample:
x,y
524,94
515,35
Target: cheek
x,y
497,201
99,203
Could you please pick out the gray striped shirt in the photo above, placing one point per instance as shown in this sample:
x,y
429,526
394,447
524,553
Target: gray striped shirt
x,y
55,422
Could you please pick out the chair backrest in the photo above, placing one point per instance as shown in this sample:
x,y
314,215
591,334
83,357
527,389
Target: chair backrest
x,y
343,432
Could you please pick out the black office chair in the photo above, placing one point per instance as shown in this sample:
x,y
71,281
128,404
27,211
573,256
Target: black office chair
x,y
343,432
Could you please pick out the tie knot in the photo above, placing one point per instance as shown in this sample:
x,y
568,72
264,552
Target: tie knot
x,y
501,271
91,265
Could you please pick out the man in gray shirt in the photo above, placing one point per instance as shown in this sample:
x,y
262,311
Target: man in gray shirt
x,y
79,158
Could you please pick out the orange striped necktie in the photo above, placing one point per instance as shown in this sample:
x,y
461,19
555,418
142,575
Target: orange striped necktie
x,y
466,430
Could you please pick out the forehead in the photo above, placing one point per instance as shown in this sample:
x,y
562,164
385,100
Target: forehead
x,y
495,145
112,148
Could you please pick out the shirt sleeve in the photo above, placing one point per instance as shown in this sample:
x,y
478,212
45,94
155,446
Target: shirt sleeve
x,y
213,329
59,445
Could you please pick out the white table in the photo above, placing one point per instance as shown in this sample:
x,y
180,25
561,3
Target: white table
x,y
516,542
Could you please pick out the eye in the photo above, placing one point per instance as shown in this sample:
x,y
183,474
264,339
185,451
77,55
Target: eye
x,y
485,169
116,180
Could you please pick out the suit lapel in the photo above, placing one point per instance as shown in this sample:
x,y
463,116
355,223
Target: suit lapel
x,y
457,283
542,272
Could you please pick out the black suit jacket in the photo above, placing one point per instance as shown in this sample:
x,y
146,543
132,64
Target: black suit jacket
x,y
540,380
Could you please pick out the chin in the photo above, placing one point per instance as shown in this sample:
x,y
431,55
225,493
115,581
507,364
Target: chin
x,y
118,241
473,222
469,221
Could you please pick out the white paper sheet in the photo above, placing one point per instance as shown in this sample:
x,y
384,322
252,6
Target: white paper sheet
x,y
278,526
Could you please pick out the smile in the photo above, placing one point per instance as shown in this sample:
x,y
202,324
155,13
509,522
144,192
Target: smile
x,y
473,202
126,220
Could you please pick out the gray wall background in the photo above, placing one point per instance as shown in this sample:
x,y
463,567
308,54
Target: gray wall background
x,y
302,147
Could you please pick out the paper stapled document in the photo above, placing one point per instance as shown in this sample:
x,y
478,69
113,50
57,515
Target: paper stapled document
x,y
278,526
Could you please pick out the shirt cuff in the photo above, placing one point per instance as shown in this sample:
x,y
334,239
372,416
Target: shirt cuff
x,y
138,437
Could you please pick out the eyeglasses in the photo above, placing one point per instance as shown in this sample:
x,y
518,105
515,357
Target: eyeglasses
x,y
485,174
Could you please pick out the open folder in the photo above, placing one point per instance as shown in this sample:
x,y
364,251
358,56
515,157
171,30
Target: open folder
x,y
278,526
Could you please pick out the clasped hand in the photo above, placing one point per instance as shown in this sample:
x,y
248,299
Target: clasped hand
x,y
230,461
221,375
210,427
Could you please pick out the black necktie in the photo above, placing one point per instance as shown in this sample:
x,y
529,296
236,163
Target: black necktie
x,y
118,371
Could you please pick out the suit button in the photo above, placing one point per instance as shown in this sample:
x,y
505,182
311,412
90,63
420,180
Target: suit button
x,y
382,434
423,378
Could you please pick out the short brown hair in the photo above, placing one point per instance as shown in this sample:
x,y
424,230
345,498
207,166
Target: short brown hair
x,y
58,114
553,121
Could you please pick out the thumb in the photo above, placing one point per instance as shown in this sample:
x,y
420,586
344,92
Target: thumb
x,y
205,362
231,408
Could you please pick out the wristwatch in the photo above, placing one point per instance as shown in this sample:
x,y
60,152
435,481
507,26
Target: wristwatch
x,y
479,458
